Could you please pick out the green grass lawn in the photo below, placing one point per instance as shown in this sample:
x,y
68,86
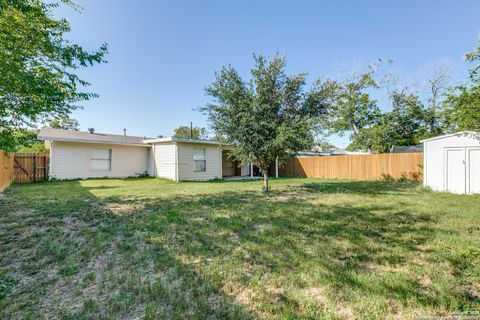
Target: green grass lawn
x,y
311,249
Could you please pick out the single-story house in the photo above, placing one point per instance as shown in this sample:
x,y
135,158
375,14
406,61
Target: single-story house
x,y
81,155
452,162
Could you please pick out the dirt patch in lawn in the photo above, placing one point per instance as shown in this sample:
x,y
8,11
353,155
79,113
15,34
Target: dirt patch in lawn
x,y
315,294
120,209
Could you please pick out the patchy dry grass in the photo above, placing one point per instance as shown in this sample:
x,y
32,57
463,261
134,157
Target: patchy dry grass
x,y
154,249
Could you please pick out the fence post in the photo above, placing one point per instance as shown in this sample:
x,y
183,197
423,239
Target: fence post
x,y
34,168
45,167
6,170
276,167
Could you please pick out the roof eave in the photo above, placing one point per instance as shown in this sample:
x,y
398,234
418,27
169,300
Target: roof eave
x,y
173,139
157,140
450,135
93,141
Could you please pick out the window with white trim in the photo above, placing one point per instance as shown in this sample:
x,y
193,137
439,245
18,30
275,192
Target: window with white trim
x,y
200,159
101,159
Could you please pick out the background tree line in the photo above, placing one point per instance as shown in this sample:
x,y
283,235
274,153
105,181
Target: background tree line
x,y
409,116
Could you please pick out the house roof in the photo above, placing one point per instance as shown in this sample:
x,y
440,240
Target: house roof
x,y
312,153
52,134
407,149
461,133
341,152
176,139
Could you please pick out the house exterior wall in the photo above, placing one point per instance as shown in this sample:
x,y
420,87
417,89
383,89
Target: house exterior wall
x,y
186,163
163,160
434,175
71,160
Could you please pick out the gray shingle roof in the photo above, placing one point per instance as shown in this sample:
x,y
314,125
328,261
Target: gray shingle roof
x,y
407,149
82,136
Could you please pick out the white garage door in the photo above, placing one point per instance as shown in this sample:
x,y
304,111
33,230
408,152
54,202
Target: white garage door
x,y
474,170
455,170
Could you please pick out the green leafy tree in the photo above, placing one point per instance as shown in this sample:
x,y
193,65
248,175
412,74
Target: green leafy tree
x,y
351,109
64,122
37,147
373,136
25,141
462,106
323,145
184,132
406,124
268,117
463,111
37,66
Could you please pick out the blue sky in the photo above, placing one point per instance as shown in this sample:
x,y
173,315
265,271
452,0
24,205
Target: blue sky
x,y
164,53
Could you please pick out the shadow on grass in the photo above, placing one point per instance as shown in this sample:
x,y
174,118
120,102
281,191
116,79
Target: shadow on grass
x,y
375,187
262,235
69,255
199,255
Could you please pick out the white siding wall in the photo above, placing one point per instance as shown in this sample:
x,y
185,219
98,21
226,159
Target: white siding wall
x,y
71,160
164,160
245,170
434,158
186,163
151,162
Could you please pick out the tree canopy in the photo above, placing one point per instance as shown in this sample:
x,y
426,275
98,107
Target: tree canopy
x,y
404,125
266,118
64,122
37,66
351,109
408,119
25,141
462,106
184,132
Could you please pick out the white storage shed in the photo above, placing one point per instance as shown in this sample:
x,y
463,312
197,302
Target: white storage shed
x,y
452,163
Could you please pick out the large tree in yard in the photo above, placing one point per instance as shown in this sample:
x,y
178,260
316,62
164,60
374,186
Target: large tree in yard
x,y
267,118
462,106
37,66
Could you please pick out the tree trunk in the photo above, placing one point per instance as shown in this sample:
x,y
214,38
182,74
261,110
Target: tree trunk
x,y
265,181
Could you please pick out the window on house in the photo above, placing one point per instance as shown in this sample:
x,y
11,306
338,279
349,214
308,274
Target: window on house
x,y
101,159
200,159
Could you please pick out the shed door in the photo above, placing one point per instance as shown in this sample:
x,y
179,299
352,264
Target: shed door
x,y
474,170
455,171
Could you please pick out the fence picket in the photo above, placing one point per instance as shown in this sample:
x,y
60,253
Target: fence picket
x,y
356,167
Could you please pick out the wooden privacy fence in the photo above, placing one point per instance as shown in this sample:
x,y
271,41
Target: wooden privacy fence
x,y
6,170
357,167
30,167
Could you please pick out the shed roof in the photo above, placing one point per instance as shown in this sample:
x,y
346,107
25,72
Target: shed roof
x,y
52,134
458,134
